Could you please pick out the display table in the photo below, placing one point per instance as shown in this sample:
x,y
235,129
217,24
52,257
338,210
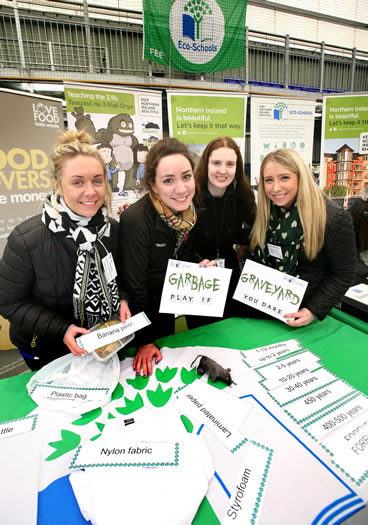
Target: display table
x,y
343,350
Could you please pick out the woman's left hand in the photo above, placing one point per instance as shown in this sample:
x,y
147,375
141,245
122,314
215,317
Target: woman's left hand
x,y
206,263
301,318
143,359
124,312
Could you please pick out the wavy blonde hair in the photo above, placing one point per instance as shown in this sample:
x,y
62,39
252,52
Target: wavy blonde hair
x,y
69,145
309,200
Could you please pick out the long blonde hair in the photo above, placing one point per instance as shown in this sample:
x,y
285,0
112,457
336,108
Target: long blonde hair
x,y
310,203
69,145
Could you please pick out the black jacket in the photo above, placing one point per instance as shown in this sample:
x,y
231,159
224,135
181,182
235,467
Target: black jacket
x,y
334,269
36,286
222,222
146,244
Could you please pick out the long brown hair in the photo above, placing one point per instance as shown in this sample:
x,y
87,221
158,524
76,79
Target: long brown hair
x,y
242,186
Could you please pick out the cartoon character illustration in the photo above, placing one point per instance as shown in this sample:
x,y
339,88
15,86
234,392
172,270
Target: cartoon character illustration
x,y
106,153
140,153
119,134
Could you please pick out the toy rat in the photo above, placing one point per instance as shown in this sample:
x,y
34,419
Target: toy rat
x,y
214,370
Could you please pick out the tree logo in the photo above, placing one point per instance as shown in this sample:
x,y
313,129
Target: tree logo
x,y
280,111
197,28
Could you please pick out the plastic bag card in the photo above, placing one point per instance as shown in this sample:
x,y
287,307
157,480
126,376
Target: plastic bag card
x,y
273,292
191,289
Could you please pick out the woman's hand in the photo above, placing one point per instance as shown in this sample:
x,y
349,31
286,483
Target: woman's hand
x,y
301,318
69,339
122,207
124,312
206,263
143,359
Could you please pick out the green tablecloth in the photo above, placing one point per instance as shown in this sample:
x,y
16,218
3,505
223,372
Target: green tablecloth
x,y
342,347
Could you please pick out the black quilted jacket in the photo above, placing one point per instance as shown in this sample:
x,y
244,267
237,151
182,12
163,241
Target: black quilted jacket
x,y
36,286
334,269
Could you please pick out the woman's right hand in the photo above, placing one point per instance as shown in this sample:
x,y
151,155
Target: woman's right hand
x,y
69,339
143,359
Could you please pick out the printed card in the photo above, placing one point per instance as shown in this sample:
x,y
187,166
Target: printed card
x,y
337,417
257,357
273,292
349,447
191,289
110,334
222,413
289,368
307,406
245,503
17,426
117,453
302,386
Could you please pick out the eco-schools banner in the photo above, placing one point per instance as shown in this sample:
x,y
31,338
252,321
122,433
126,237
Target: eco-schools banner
x,y
123,124
30,125
280,123
344,144
196,36
196,119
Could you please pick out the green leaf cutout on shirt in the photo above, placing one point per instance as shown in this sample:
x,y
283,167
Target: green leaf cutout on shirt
x,y
159,397
139,382
131,406
165,375
118,392
188,376
69,441
87,417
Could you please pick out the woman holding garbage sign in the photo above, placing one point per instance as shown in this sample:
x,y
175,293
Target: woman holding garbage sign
x,y
153,230
57,274
299,231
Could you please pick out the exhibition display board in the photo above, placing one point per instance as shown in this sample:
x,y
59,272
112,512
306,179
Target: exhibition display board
x,y
287,439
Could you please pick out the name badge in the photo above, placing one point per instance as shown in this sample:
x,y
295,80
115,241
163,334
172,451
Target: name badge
x,y
274,251
109,267
220,263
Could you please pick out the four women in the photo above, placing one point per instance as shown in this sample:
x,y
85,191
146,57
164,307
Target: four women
x,y
55,281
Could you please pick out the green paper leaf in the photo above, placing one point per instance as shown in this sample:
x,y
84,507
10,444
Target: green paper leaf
x,y
100,426
187,423
88,417
188,376
159,397
217,384
69,441
131,406
118,392
139,382
165,375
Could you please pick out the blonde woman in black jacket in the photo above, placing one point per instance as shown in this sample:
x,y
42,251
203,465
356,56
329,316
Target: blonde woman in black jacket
x,y
54,282
302,233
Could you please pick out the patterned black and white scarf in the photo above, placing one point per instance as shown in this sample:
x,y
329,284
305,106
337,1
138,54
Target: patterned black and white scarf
x,y
95,299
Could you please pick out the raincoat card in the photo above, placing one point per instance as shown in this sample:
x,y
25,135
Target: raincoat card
x,y
194,290
273,292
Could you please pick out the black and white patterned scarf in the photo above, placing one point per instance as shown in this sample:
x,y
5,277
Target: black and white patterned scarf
x,y
95,299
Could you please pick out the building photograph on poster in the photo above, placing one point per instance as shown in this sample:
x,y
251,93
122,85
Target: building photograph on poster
x,y
344,146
